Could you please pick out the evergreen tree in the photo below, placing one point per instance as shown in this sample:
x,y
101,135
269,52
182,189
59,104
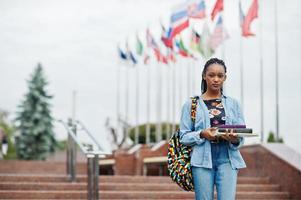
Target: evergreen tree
x,y
36,139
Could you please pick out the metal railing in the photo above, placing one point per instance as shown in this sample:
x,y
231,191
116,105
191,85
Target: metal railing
x,y
91,154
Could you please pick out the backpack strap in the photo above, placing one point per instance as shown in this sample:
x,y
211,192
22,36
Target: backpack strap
x,y
194,102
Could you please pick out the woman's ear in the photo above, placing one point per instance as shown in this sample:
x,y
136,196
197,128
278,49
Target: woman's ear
x,y
225,77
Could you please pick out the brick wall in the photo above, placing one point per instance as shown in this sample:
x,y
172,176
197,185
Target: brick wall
x,y
262,162
132,164
124,163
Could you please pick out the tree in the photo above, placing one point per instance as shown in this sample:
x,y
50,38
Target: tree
x,y
36,139
7,128
118,137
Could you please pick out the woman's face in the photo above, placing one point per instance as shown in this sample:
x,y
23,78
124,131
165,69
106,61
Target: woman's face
x,y
215,77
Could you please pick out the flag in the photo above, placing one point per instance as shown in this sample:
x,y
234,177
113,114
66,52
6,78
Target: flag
x,y
158,55
168,42
195,41
196,9
170,56
179,12
139,46
132,57
241,15
182,50
179,20
166,37
218,35
122,54
182,46
204,43
251,15
218,7
151,43
164,59
146,59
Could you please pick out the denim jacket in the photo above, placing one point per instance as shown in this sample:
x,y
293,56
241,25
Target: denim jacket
x,y
201,153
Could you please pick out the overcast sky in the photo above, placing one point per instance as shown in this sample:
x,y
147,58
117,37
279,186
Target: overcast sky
x,y
76,43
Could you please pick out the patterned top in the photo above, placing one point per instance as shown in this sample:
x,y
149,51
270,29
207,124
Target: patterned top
x,y
216,112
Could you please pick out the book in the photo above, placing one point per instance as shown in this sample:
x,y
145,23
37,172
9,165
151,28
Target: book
x,y
236,130
232,126
238,134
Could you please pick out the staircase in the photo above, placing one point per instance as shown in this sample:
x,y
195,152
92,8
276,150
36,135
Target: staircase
x,y
39,186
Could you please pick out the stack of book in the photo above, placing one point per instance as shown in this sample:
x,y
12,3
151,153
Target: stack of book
x,y
239,130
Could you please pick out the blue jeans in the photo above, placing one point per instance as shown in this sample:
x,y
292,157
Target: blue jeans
x,y
221,175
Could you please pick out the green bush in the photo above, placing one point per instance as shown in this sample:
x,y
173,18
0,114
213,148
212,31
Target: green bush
x,y
142,132
272,139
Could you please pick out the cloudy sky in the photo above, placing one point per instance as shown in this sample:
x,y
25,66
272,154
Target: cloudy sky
x,y
76,43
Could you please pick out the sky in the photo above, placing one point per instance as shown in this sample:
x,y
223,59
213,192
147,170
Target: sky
x,y
76,42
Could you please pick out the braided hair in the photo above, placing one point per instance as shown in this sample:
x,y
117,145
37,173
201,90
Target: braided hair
x,y
208,63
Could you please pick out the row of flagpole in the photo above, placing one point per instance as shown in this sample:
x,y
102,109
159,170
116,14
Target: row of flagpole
x,y
191,82
174,95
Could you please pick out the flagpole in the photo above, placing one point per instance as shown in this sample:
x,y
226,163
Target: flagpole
x,y
180,82
127,102
159,102
188,78
147,136
261,79
223,33
241,16
276,71
137,107
73,113
173,128
241,74
168,103
224,46
196,78
118,97
192,75
192,81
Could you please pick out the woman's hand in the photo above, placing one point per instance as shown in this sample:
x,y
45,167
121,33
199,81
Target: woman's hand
x,y
230,136
209,133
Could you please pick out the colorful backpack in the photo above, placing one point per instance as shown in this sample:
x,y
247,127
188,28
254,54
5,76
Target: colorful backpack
x,y
178,162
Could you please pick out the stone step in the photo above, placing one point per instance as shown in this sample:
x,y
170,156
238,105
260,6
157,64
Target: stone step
x,y
38,167
165,199
187,195
112,179
8,194
120,186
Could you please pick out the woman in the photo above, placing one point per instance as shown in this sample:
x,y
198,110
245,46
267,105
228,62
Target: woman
x,y
214,161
